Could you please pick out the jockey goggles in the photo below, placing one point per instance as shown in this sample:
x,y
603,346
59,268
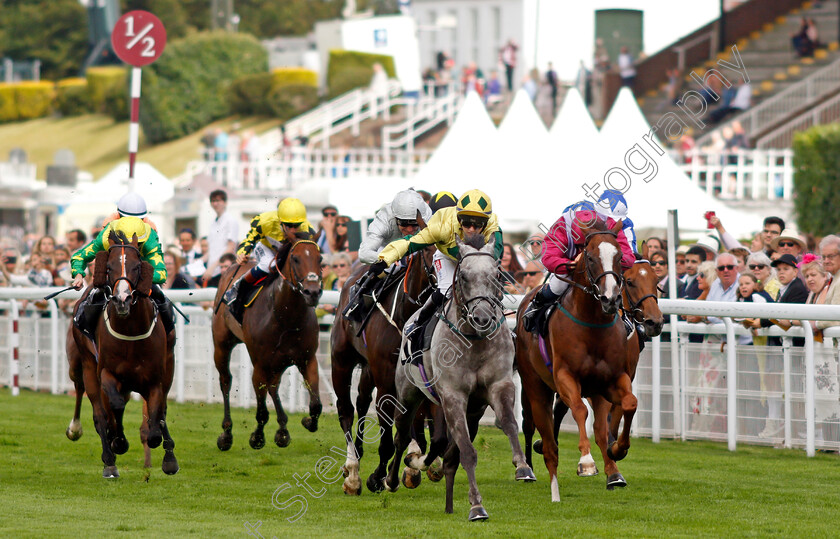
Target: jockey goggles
x,y
407,222
470,221
292,225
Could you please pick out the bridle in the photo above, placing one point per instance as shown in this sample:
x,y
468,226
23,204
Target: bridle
x,y
591,287
635,306
132,285
431,278
296,283
467,307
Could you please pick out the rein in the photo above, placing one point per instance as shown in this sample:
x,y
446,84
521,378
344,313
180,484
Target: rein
x,y
464,308
134,295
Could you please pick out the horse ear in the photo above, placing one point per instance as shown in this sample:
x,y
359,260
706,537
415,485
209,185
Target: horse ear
x,y
421,223
463,248
490,246
100,269
147,273
113,237
618,226
134,240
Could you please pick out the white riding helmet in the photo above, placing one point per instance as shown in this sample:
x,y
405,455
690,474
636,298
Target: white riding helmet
x,y
405,205
132,205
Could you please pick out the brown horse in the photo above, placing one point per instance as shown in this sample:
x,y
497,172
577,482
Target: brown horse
x,y
132,353
376,349
280,330
584,355
639,298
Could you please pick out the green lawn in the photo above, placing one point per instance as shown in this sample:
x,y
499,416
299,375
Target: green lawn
x,y
50,486
100,144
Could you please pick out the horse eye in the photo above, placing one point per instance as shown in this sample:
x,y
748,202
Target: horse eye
x,y
631,284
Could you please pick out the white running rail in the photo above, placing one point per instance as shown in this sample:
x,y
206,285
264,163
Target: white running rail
x,y
782,136
808,91
422,116
741,175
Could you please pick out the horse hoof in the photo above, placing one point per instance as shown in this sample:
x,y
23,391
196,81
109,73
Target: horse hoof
x,y
411,478
110,472
538,447
154,441
225,441
310,423
616,480
74,431
282,438
478,513
615,453
408,458
170,465
435,471
120,446
525,474
374,484
350,489
587,470
257,440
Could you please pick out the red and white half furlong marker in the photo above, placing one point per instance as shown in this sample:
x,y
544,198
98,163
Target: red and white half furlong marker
x,y
138,39
14,341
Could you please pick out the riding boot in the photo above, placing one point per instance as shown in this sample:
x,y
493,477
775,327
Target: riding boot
x,y
237,294
415,330
87,315
355,310
542,299
165,309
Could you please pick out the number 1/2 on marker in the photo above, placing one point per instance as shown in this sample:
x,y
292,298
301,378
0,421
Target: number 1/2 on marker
x,y
129,32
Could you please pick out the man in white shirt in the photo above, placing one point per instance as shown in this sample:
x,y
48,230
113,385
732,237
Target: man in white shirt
x,y
193,262
223,235
626,70
725,287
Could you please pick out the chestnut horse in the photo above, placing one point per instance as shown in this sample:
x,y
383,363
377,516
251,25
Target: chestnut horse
x,y
584,355
132,352
376,349
639,295
279,329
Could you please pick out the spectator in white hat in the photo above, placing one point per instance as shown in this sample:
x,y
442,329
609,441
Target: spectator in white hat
x,y
789,243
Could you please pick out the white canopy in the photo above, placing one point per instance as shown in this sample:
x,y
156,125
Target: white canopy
x,y
666,188
154,187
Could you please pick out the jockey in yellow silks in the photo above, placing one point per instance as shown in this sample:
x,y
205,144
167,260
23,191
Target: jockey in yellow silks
x,y
269,236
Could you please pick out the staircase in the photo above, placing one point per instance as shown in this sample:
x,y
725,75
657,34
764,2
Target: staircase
x,y
782,83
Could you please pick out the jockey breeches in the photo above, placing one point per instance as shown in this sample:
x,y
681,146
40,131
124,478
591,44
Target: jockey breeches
x,y
444,270
265,257
556,285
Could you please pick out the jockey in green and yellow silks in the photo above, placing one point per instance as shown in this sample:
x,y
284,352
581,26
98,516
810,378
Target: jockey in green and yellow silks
x,y
131,221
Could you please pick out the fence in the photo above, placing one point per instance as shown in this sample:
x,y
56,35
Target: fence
x,y
685,390
782,137
740,174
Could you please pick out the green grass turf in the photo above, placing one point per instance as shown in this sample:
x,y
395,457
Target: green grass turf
x,y
99,143
50,486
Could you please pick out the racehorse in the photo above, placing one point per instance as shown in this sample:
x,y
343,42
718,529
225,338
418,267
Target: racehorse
x,y
132,352
584,355
279,329
469,365
639,298
376,349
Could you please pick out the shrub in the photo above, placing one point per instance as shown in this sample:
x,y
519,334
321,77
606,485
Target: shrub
x,y
284,92
286,102
101,81
188,87
816,160
116,104
8,110
247,95
287,76
34,99
349,70
71,97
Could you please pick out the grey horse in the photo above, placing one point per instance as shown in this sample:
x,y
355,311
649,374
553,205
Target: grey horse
x,y
469,365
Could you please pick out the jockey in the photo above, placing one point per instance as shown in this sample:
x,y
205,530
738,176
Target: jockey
x,y
131,220
394,221
611,204
561,251
268,238
442,199
472,215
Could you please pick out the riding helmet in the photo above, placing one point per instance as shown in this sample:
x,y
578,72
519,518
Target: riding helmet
x,y
406,204
291,210
442,199
132,205
474,202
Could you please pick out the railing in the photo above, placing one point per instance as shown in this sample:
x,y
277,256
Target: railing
x,y
711,37
741,174
429,112
685,390
346,111
805,93
782,136
288,169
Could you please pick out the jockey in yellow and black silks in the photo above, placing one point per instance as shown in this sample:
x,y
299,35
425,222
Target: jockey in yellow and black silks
x,y
131,221
269,236
473,214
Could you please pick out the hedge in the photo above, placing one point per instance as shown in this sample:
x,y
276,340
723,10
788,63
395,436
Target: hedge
x,y
71,97
25,100
816,161
284,93
348,70
103,81
187,87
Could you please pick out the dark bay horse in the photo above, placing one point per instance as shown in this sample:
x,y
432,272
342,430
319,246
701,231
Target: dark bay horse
x,y
584,355
132,352
640,302
376,350
279,329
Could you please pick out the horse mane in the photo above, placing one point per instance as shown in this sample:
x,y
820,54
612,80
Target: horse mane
x,y
476,241
302,235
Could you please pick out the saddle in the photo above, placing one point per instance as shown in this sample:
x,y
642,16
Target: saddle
x,y
363,294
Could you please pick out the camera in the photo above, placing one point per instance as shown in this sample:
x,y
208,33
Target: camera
x,y
708,215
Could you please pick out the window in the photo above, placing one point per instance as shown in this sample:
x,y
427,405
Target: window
x,y
497,24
